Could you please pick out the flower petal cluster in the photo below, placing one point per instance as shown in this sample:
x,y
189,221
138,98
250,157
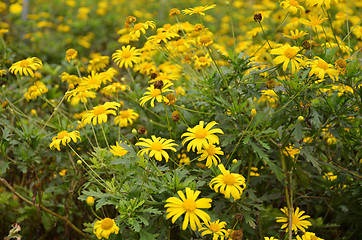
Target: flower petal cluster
x,y
190,206
100,112
80,93
298,220
228,183
126,118
155,93
198,10
26,67
288,54
64,138
36,90
210,153
126,56
156,147
105,227
320,68
217,229
309,236
118,150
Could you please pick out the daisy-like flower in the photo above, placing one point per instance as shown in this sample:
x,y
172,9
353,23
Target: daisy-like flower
x,y
118,150
210,153
269,96
320,68
64,138
162,36
26,67
288,54
190,206
205,40
201,137
72,80
139,28
156,147
145,68
270,238
126,56
80,93
126,118
36,90
98,63
71,54
100,112
114,88
228,183
291,151
314,20
103,228
295,34
203,61
165,77
319,3
155,93
298,220
217,229
292,6
309,236
198,10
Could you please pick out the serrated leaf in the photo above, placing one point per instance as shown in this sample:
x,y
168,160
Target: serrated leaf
x,y
298,132
312,160
152,211
144,235
3,167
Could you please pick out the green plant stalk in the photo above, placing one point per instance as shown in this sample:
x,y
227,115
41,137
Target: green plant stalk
x,y
232,27
104,135
330,24
66,220
94,133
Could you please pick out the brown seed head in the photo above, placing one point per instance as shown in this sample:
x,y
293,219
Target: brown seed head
x,y
171,99
158,84
141,130
258,17
175,116
237,235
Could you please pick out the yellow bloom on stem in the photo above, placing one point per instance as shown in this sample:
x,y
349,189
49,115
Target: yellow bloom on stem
x,y
217,229
201,137
103,228
295,34
292,6
36,90
26,67
298,220
288,54
190,206
98,63
126,118
156,147
118,150
63,172
309,236
210,154
291,151
320,68
330,176
126,56
64,138
81,93
155,93
228,183
99,113
198,10
319,3
71,54
162,36
314,20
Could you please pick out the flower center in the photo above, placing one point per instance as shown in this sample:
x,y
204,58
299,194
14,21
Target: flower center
x,y
125,114
214,227
203,59
155,92
62,134
126,54
24,63
290,53
295,220
200,133
138,26
107,223
323,65
229,179
99,110
189,205
198,9
211,150
157,146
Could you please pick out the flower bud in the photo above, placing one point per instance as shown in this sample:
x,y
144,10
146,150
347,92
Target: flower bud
x,y
90,201
300,118
258,17
175,116
253,112
134,131
235,161
79,162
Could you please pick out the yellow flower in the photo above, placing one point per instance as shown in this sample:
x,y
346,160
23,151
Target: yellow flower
x,y
81,93
98,63
139,28
291,151
292,6
309,236
217,229
145,68
90,201
295,34
36,90
63,172
200,136
155,93
210,154
319,3
162,36
270,238
330,176
99,113
126,56
72,80
118,150
203,61
190,206
64,138
184,159
228,183
94,80
114,88
205,40
269,96
314,20
198,10
298,220
26,67
288,54
319,67
71,54
103,228
126,117
174,12
156,147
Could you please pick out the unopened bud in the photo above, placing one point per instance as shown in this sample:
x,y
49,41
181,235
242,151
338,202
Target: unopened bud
x,y
79,162
253,112
300,118
235,161
175,116
134,131
158,84
90,201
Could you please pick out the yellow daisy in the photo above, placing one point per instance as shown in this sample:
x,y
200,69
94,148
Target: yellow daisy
x,y
210,154
295,34
320,68
229,183
99,113
156,147
309,236
298,220
201,137
35,90
98,63
292,6
117,150
190,206
71,54
126,56
217,229
81,93
315,20
126,117
64,138
291,151
288,54
155,93
198,10
162,36
103,228
26,67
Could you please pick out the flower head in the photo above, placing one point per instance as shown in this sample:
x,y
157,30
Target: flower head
x,y
190,206
291,151
288,54
64,138
201,137
98,63
100,112
228,183
126,118
298,220
198,10
80,93
320,68
309,236
103,228
71,54
295,34
217,229
26,67
156,147
155,93
36,90
126,56
292,6
210,153
118,150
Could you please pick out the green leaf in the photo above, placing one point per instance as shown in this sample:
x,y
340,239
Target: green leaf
x,y
48,221
3,167
144,235
311,159
298,132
